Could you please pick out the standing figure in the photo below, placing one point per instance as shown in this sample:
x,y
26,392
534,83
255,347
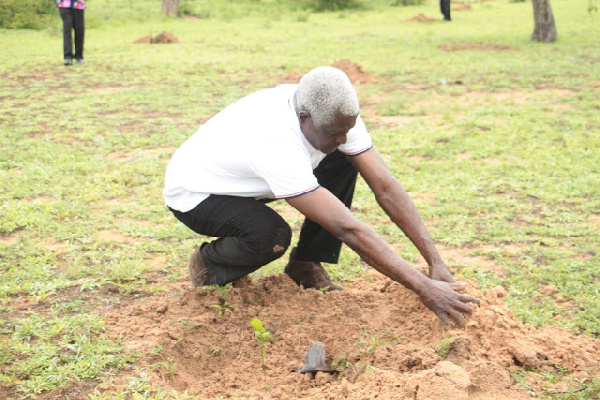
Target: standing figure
x,y
71,12
445,8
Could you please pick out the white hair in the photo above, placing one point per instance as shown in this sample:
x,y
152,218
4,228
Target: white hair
x,y
325,93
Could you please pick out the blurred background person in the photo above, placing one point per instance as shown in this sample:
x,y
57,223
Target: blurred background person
x,y
71,12
445,8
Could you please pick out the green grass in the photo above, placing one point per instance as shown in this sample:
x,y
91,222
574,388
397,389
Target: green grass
x,y
501,155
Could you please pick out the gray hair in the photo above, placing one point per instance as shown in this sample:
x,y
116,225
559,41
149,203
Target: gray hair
x,y
326,92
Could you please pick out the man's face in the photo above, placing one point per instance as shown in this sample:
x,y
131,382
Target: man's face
x,y
326,138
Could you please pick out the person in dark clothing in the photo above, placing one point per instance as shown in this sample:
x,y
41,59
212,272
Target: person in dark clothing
x,y
72,14
306,144
445,7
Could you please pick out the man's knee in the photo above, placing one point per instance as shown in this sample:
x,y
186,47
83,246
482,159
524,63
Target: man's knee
x,y
282,240
272,243
276,242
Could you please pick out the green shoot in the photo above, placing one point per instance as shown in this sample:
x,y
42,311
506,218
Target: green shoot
x,y
263,337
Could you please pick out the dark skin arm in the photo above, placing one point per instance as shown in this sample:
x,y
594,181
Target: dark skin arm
x,y
394,200
326,210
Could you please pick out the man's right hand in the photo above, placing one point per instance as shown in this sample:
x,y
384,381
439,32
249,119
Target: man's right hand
x,y
444,300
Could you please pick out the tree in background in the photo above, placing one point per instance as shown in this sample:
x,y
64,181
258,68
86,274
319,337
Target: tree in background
x,y
26,14
545,28
170,7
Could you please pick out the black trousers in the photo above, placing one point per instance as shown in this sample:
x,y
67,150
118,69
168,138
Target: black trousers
x,y
73,20
445,8
251,234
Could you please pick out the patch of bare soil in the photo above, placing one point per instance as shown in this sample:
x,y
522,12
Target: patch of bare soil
x,y
162,38
421,18
377,334
461,7
475,46
354,71
290,77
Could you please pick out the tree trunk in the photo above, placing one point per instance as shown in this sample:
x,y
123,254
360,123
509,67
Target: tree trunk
x,y
545,28
170,7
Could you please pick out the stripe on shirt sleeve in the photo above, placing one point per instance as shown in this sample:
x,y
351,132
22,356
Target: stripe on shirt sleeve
x,y
355,153
296,194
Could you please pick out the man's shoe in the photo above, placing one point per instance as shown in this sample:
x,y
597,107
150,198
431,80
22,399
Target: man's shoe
x,y
79,61
68,61
198,271
309,274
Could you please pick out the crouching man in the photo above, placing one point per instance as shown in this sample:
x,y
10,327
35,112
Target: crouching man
x,y
304,143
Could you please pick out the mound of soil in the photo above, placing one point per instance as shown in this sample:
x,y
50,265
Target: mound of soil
x,y
378,336
290,77
461,7
162,38
421,18
354,71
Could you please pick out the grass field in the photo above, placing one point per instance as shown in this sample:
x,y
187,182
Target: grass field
x,y
496,137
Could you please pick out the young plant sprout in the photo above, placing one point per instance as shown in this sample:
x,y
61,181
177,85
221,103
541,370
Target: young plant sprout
x,y
263,337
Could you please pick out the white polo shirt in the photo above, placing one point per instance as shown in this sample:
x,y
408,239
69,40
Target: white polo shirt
x,y
252,148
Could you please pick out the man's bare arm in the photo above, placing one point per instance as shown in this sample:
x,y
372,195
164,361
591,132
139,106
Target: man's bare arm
x,y
395,201
326,210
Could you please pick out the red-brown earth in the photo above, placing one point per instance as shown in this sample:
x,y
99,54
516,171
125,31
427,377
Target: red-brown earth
x,y
380,339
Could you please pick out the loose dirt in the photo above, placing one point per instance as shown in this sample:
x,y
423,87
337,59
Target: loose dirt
x,y
421,18
354,71
379,337
162,38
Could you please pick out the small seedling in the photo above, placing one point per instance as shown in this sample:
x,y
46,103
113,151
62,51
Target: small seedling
x,y
341,363
370,342
157,349
443,346
222,309
262,336
213,351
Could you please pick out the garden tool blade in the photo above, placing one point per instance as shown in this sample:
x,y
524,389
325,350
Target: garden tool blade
x,y
315,359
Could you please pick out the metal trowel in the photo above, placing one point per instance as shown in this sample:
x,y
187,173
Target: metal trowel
x,y
315,359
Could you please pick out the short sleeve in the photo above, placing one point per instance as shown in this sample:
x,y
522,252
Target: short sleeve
x,y
288,174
